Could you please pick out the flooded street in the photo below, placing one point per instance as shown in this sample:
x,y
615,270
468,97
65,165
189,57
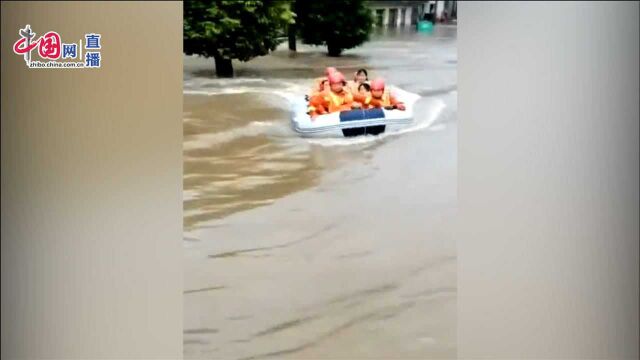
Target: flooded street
x,y
320,248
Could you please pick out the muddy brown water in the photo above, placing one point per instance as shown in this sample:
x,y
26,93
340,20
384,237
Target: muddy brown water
x,y
325,249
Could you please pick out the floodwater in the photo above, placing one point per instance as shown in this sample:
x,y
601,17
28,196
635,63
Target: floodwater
x,y
320,248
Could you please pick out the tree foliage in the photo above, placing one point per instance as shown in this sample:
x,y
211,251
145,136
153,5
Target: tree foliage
x,y
340,25
234,29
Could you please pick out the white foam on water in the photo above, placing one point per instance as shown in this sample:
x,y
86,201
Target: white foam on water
x,y
208,140
291,91
287,90
212,92
189,195
421,121
199,81
438,127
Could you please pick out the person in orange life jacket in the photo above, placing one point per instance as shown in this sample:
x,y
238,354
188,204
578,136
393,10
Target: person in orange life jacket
x,y
320,84
323,86
317,82
364,90
337,98
384,99
360,77
314,107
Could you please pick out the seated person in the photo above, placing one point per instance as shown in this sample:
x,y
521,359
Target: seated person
x,y
382,98
360,77
318,82
323,86
338,98
365,90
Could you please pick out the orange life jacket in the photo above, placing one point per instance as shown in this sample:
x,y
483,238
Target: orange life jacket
x,y
364,101
385,100
339,102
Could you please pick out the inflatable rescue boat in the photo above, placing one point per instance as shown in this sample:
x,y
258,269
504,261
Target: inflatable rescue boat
x,y
354,122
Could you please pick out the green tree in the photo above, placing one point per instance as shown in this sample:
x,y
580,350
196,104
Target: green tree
x,y
339,25
234,29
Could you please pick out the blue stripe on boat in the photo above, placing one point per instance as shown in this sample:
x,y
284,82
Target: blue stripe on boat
x,y
358,114
351,115
374,114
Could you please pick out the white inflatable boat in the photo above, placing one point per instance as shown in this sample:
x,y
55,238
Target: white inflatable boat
x,y
354,122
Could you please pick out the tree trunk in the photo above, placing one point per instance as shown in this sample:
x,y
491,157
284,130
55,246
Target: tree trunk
x,y
334,50
224,68
292,37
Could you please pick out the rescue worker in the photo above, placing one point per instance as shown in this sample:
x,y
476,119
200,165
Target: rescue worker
x,y
337,98
323,87
317,82
315,107
384,98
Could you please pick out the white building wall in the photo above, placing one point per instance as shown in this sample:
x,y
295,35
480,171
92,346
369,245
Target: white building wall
x,y
439,9
400,19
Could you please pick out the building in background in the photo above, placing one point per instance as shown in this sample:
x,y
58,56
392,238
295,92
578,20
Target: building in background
x,y
450,9
401,13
